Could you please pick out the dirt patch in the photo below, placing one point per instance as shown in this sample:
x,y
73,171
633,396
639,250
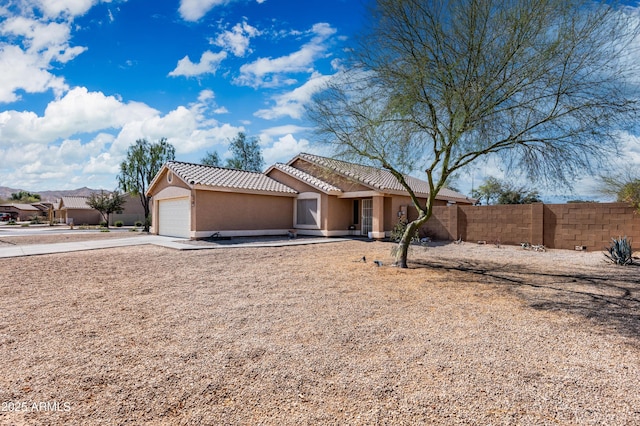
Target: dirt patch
x,y
64,237
314,335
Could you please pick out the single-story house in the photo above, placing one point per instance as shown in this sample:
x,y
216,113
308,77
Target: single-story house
x,y
22,211
74,209
310,195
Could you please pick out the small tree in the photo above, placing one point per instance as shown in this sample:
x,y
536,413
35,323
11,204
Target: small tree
x,y
246,154
211,159
519,195
625,188
495,191
489,191
106,203
144,161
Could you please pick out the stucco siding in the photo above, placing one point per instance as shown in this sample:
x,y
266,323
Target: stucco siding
x,y
162,183
228,211
83,217
340,213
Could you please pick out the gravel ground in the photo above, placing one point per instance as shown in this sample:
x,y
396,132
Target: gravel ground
x,y
312,335
63,236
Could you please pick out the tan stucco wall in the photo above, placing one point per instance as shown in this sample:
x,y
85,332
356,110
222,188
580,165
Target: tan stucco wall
x,y
227,211
131,213
340,213
83,217
162,183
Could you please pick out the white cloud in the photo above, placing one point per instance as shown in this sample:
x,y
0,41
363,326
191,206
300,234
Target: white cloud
x,y
284,149
209,63
24,71
79,111
237,40
28,68
292,103
266,136
268,72
193,10
87,134
56,8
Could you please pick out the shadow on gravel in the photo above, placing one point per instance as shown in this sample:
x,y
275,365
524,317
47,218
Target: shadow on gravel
x,y
610,297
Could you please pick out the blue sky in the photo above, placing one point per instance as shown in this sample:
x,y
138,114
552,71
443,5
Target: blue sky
x,y
81,80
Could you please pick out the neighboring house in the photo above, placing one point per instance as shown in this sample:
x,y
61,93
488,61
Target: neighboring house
x,y
76,211
22,212
131,213
311,195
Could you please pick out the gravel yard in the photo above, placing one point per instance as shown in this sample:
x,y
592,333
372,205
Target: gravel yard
x,y
312,335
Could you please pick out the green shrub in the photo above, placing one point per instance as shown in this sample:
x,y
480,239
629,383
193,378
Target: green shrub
x,y
103,224
119,224
138,224
620,252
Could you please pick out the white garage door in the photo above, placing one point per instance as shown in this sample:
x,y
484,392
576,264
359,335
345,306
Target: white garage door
x,y
174,218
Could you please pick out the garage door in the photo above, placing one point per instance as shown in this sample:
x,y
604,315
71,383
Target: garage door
x,y
174,217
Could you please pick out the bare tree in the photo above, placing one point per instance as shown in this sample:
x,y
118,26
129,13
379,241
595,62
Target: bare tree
x,y
437,85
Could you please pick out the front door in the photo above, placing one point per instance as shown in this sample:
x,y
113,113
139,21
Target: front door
x,y
367,216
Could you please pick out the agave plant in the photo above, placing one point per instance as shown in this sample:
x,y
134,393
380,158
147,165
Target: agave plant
x,y
620,252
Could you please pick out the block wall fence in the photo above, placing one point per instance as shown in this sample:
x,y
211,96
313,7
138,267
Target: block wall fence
x,y
560,226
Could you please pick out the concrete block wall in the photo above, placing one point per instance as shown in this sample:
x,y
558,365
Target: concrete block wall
x,y
562,226
589,224
497,224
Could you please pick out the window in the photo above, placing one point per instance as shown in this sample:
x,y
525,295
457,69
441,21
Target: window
x,y
307,212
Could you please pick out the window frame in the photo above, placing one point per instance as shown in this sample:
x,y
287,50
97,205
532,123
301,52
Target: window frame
x,y
317,216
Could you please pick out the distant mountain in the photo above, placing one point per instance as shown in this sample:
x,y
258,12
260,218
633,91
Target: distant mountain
x,y
51,196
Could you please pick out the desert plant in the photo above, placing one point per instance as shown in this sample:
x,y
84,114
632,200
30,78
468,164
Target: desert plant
x,y
398,231
104,224
138,224
620,251
396,236
119,224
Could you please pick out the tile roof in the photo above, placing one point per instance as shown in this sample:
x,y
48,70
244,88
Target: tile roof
x,y
21,206
379,179
199,174
307,178
74,202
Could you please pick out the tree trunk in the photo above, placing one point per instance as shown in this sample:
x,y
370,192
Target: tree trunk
x,y
405,241
147,214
